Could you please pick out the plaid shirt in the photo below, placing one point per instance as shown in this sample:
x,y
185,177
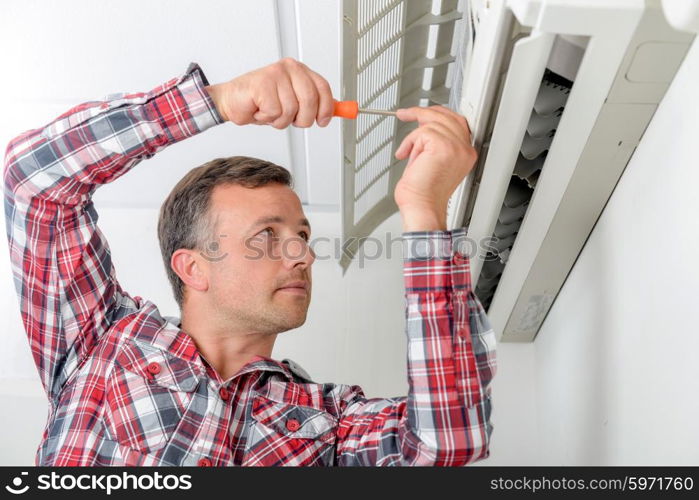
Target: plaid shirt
x,y
126,386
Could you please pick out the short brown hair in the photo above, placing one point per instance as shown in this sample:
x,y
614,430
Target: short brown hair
x,y
184,220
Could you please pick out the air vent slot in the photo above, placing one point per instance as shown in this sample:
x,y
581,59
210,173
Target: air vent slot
x,y
541,129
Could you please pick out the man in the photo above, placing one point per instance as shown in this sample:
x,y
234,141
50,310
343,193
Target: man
x,y
129,387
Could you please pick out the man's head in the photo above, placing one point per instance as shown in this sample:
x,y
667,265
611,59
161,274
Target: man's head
x,y
232,234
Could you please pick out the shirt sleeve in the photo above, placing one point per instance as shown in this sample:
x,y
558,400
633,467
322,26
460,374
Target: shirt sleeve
x,y
61,262
445,419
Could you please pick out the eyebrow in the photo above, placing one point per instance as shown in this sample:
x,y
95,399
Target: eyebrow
x,y
272,219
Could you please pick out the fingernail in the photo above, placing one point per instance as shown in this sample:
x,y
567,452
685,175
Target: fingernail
x,y
323,122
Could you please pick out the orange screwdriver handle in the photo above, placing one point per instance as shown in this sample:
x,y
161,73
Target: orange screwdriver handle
x,y
346,109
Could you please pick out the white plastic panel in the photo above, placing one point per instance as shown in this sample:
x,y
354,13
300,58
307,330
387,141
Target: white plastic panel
x,y
485,40
396,53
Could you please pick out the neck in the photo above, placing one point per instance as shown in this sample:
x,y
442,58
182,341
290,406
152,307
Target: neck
x,y
227,350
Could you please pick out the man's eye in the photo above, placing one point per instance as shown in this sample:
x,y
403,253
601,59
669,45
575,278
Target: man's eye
x,y
268,230
305,235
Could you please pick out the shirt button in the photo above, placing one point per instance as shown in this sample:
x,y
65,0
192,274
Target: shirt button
x,y
342,432
204,462
224,393
292,424
154,368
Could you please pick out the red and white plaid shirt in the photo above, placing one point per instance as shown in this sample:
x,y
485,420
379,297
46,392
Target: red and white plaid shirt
x,y
128,387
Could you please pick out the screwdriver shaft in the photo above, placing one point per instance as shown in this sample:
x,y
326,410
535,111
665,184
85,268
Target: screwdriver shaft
x,y
377,112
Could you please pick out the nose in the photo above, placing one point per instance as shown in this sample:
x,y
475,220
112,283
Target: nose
x,y
297,252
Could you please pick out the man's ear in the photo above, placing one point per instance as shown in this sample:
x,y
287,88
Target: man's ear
x,y
191,269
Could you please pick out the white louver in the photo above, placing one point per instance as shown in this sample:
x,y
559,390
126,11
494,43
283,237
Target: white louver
x,y
558,94
396,54
538,136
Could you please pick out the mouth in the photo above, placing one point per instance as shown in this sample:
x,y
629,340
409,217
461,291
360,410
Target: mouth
x,y
296,287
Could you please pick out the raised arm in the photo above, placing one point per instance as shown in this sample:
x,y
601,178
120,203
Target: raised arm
x,y
445,419
61,263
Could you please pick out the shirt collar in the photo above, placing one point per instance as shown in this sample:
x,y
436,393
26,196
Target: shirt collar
x,y
166,336
164,333
263,363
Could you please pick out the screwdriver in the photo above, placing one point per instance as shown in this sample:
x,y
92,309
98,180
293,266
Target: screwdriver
x,y
350,109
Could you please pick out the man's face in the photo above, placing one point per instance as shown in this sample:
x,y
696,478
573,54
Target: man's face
x,y
259,248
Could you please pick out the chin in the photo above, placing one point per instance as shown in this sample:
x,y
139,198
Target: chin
x,y
293,322
299,322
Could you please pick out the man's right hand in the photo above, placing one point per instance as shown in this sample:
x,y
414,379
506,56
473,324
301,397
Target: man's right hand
x,y
440,155
284,93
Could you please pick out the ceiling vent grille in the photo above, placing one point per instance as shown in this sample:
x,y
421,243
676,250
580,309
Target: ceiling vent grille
x,y
396,54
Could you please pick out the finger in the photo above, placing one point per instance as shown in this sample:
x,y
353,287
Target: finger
x,y
431,115
434,114
430,132
406,145
326,103
410,146
306,95
417,149
444,132
458,118
244,108
415,113
269,108
289,104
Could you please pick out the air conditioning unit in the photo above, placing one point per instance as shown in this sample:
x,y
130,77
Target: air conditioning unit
x,y
558,94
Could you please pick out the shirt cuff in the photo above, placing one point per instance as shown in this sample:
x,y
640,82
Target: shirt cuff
x,y
183,107
436,261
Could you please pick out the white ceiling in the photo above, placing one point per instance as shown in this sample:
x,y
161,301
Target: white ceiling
x,y
59,54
